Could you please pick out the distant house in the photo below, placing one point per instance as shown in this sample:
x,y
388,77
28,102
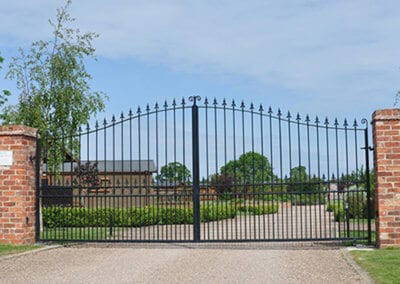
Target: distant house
x,y
112,174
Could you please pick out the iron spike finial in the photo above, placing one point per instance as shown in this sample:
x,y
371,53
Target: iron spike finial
x,y
242,106
261,109
130,113
251,106
183,102
279,112
206,101
215,102
173,103
317,120
345,124
270,110
165,104
298,117
147,108
156,106
307,118
80,129
113,119
139,111
87,127
105,122
355,124
97,124
233,104
288,116
122,115
326,122
224,102
336,122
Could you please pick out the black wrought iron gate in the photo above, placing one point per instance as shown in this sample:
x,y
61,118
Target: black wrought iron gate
x,y
207,171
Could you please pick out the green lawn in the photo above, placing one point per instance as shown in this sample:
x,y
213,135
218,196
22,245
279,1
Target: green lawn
x,y
78,234
10,249
382,265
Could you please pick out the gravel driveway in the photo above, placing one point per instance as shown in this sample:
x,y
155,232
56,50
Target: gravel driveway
x,y
181,263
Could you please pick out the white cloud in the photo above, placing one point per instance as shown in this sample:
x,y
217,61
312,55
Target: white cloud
x,y
334,49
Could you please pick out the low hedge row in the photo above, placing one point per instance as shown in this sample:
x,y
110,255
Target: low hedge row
x,y
57,216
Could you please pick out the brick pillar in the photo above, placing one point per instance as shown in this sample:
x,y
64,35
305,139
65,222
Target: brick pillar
x,y
386,132
17,184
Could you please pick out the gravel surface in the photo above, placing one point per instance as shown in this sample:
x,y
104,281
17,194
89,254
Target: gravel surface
x,y
180,263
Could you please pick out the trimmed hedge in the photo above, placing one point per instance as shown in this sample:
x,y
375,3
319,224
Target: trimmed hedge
x,y
55,216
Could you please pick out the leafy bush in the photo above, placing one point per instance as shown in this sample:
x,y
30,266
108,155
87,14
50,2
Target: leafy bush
x,y
308,199
332,204
224,185
357,202
339,211
56,216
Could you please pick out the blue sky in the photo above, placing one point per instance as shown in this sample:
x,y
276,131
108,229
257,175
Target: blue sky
x,y
326,58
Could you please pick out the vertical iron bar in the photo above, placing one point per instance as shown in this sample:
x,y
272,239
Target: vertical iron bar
x,y
196,169
367,176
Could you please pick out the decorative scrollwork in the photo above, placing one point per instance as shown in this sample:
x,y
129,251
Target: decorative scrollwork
x,y
194,99
364,121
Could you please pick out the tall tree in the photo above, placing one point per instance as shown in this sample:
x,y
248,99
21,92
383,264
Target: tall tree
x,y
300,181
4,93
174,172
55,95
251,168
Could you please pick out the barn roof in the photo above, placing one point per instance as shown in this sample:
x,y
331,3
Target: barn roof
x,y
116,166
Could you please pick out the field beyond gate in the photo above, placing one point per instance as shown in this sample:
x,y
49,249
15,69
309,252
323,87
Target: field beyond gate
x,y
208,172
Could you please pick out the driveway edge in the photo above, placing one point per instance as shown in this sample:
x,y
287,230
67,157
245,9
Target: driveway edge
x,y
349,259
29,252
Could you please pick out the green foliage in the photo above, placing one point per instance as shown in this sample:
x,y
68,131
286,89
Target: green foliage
x,y
174,172
251,168
300,181
357,203
224,185
55,94
4,93
308,199
57,217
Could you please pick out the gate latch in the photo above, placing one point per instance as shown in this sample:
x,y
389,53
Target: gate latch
x,y
369,148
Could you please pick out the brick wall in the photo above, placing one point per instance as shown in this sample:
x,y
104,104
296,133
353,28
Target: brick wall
x,y
17,185
386,135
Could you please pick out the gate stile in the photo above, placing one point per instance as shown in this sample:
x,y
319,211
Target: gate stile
x,y
238,173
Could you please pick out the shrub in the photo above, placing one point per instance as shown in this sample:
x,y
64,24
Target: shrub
x,y
357,202
216,212
224,185
308,199
331,205
56,216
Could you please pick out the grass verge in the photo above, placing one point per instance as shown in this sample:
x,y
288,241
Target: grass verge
x,y
12,249
78,234
382,265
